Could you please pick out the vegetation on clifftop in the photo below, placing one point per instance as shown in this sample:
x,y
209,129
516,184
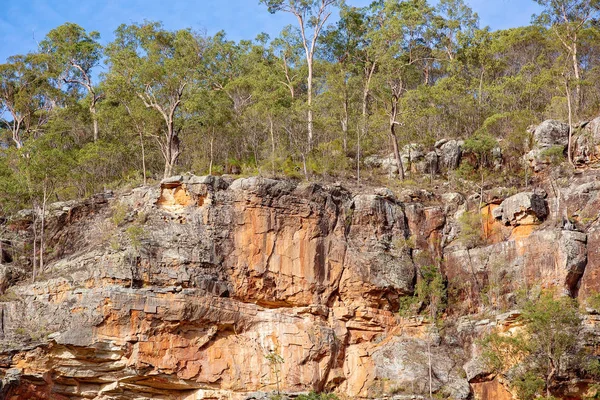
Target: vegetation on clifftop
x,y
312,102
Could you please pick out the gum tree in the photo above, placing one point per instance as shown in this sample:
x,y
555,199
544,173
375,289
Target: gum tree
x,y
312,16
71,54
161,67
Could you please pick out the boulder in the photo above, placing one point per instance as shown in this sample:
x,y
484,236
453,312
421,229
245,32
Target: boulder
x,y
526,208
547,135
572,259
388,163
430,163
551,133
586,146
450,154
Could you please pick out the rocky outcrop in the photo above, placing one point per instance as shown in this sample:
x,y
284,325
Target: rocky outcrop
x,y
446,156
551,133
449,152
189,288
550,139
525,208
212,288
586,146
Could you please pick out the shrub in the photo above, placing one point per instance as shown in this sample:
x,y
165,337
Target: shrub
x,y
537,356
554,155
318,396
471,234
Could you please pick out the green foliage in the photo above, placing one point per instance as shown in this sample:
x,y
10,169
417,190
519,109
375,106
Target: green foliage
x,y
554,155
593,301
480,144
135,234
119,213
174,100
430,294
471,231
318,396
431,290
529,385
538,355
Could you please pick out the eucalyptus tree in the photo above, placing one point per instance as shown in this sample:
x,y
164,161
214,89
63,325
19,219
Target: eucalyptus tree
x,y
455,22
312,15
288,50
567,18
162,69
25,96
123,108
72,54
398,41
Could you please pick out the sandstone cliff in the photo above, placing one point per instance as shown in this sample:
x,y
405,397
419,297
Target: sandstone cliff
x,y
209,288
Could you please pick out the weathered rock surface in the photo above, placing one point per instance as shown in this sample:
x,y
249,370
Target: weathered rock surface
x,y
551,133
449,154
217,277
525,208
217,289
586,146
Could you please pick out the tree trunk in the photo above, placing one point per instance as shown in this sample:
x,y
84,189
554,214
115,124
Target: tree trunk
x,y
210,165
394,140
34,228
345,120
44,201
309,103
15,132
577,76
272,132
168,169
143,156
171,150
94,120
568,93
481,86
365,114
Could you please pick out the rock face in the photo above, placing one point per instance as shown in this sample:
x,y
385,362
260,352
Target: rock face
x,y
207,288
450,153
549,136
525,208
551,133
587,144
218,278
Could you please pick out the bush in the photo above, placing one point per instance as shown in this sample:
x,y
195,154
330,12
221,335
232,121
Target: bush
x,y
537,356
554,155
471,234
318,396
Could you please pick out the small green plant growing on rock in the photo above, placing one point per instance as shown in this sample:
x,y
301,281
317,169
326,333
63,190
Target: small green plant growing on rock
x,y
405,243
275,360
135,234
554,155
119,214
593,301
318,396
470,229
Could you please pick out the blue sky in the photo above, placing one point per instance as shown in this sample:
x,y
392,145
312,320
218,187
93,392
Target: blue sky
x,y
24,22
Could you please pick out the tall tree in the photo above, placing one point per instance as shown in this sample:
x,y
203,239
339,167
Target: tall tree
x,y
348,47
72,54
455,21
161,66
567,18
24,95
399,42
312,16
